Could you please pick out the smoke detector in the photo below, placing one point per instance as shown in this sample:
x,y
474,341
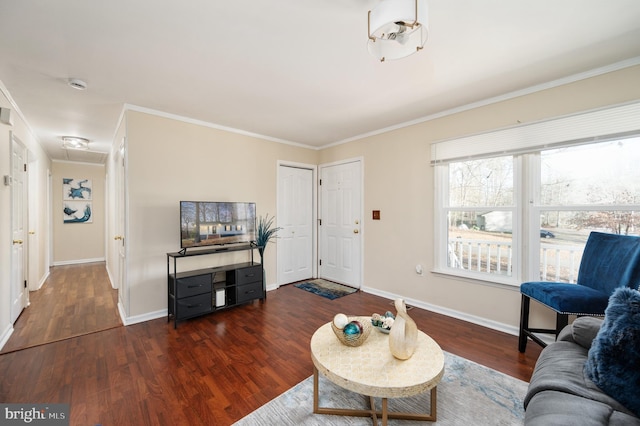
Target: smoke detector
x,y
76,83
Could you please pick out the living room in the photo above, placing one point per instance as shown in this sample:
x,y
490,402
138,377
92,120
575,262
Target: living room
x,y
171,157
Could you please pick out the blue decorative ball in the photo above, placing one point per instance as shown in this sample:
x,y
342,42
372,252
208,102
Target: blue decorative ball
x,y
352,329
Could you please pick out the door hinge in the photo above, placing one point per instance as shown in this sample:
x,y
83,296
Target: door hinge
x,y
320,222
25,167
320,182
320,262
25,283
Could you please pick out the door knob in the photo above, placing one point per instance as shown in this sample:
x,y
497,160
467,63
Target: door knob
x,y
117,237
355,231
17,241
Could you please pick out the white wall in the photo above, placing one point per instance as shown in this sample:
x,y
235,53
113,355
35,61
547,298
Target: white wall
x,y
170,160
78,242
399,182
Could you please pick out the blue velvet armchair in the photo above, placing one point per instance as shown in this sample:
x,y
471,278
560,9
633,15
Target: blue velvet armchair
x,y
609,261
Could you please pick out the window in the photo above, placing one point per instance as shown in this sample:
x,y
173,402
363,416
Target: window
x,y
593,187
480,215
524,213
575,190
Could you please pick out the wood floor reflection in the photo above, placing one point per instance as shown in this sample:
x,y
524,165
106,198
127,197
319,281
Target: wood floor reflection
x,y
74,300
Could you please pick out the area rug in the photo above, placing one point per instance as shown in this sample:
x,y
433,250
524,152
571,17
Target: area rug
x,y
469,394
325,288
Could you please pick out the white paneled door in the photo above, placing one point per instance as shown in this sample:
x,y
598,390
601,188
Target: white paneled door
x,y
295,216
19,293
341,223
121,228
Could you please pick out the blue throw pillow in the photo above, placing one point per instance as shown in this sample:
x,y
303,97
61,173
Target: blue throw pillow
x,y
614,358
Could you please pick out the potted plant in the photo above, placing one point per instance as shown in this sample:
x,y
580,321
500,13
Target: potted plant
x,y
266,232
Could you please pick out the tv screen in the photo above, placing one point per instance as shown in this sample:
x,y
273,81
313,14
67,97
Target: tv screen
x,y
208,223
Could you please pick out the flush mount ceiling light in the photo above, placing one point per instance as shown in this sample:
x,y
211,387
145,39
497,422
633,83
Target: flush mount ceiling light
x,y
76,83
397,28
73,142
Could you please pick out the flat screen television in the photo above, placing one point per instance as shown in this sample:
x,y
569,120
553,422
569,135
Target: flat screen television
x,y
211,223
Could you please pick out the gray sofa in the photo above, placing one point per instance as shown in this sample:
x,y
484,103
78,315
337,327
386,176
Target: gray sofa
x,y
560,394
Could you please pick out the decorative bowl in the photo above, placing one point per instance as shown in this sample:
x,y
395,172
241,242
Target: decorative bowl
x,y
382,329
383,322
353,339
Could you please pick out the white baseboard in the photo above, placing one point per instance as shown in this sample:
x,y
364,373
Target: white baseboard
x,y
494,325
111,280
272,287
4,337
140,318
42,281
78,261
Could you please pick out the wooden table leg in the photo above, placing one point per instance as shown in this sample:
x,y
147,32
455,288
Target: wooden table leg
x,y
372,412
385,413
434,399
315,389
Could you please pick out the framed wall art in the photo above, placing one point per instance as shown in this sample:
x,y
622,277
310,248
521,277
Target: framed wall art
x,y
76,200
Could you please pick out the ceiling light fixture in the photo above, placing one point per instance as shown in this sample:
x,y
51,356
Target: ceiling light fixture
x,y
73,142
397,28
76,83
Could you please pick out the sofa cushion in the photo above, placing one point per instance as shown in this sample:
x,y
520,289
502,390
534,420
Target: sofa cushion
x,y
567,298
615,353
584,330
560,367
562,409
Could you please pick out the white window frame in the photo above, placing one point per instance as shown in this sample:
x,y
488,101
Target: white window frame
x,y
441,186
524,143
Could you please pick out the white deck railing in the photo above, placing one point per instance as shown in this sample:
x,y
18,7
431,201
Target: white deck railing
x,y
557,262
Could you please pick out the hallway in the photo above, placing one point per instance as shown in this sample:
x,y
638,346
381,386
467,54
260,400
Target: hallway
x,y
75,300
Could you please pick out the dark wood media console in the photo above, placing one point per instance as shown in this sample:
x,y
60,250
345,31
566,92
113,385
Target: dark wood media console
x,y
201,291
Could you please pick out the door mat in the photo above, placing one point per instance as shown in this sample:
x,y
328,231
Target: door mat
x,y
325,288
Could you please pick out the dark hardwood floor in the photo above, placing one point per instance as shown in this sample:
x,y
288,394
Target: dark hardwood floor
x,y
213,370
73,301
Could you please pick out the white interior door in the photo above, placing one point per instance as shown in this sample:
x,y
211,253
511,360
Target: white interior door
x,y
120,208
295,217
19,293
33,217
341,223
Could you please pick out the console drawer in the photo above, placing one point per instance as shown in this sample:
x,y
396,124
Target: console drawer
x,y
249,292
191,286
195,305
249,275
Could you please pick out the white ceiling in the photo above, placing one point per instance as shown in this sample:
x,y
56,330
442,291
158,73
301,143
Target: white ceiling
x,y
289,70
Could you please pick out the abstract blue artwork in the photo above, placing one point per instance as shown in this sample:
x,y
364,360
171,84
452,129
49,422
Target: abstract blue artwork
x,y
76,189
77,212
76,196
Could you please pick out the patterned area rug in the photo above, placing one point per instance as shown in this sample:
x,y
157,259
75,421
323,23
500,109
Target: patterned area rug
x,y
325,288
469,394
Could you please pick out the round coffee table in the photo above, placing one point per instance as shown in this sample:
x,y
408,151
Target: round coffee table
x,y
371,370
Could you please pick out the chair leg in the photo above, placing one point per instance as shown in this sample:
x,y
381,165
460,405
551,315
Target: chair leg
x,y
524,323
562,320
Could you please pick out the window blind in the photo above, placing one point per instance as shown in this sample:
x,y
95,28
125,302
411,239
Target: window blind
x,y
588,127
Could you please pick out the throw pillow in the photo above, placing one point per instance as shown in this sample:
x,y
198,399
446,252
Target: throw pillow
x,y
614,356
